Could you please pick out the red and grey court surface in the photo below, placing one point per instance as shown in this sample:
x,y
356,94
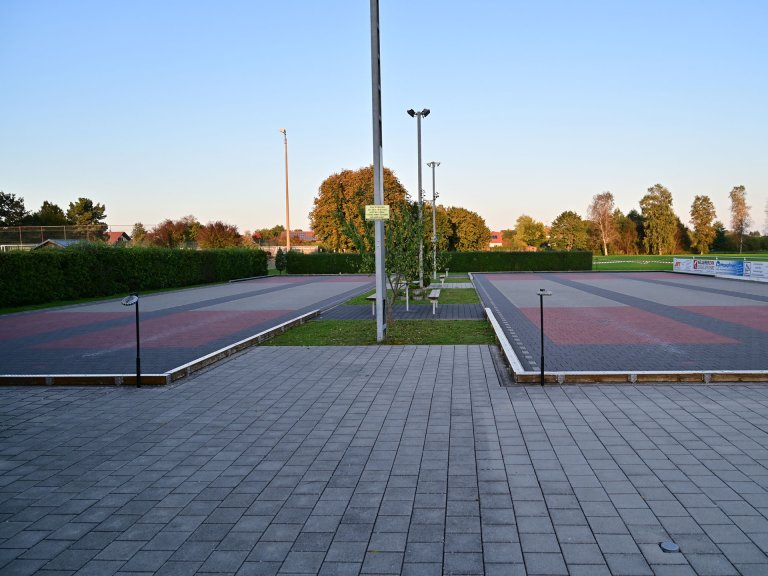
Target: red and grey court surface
x,y
631,321
176,327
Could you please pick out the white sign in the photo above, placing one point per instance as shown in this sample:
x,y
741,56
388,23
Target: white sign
x,y
377,212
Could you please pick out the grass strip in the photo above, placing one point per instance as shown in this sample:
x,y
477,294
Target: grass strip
x,y
447,296
363,333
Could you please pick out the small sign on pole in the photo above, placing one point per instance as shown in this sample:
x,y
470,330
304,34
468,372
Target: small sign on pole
x,y
377,212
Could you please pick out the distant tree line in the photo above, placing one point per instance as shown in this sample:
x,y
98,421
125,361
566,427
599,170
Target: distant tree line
x,y
655,229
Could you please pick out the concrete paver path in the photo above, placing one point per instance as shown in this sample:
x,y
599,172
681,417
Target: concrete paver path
x,y
381,460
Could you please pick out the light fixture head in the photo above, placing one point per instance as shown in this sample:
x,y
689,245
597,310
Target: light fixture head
x,y
425,112
130,300
282,131
411,112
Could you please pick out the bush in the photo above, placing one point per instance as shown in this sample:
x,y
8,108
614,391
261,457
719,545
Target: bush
x,y
519,261
323,263
349,263
84,271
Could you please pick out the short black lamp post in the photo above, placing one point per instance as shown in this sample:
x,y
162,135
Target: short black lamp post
x,y
133,300
542,293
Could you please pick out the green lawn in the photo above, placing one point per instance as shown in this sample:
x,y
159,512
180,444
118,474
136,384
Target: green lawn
x,y
363,333
654,262
447,296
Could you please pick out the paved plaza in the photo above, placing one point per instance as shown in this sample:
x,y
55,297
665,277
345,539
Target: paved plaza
x,y
382,460
177,327
631,321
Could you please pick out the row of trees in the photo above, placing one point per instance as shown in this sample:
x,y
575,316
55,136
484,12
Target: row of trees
x,y
188,232
656,229
82,213
338,216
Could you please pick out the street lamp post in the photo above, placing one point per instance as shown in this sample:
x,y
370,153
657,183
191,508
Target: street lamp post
x,y
378,175
419,115
542,292
433,165
287,212
133,300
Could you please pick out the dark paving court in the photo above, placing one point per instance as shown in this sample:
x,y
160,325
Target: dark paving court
x,y
176,327
382,460
631,321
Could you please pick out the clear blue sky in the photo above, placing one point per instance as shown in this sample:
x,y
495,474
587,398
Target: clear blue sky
x,y
162,109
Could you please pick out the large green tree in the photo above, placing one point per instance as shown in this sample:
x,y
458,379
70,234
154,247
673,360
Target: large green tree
x,y
50,214
469,231
12,210
740,219
87,217
529,232
341,200
703,221
660,221
568,232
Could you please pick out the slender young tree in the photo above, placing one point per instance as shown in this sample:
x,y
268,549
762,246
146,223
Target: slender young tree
x,y
703,221
600,213
740,220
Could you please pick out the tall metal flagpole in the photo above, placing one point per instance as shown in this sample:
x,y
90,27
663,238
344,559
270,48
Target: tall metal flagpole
x,y
378,174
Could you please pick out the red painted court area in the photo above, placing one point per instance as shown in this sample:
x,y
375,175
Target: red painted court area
x,y
631,321
176,327
179,330
618,325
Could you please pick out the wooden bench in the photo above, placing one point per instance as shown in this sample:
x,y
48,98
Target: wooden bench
x,y
434,295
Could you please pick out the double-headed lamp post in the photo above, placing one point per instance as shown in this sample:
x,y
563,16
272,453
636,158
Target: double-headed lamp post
x,y
287,211
419,115
433,165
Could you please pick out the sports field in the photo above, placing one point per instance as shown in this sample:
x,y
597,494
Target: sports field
x,y
631,321
176,327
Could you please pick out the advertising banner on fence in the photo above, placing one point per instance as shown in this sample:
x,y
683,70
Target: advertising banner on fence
x,y
757,271
732,268
694,266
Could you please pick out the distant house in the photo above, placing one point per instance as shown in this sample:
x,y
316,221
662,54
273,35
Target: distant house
x,y
495,240
299,236
115,238
56,243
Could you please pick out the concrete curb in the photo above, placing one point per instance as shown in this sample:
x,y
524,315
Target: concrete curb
x,y
168,377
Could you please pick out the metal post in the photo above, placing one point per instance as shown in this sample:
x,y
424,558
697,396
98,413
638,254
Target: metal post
x,y
434,221
378,174
133,300
287,211
542,293
138,347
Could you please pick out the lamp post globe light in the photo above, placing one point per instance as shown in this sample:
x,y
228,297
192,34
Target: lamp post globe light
x,y
419,115
287,211
435,195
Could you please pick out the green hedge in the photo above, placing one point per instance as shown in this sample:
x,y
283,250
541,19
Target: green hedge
x,y
323,263
349,263
519,261
50,275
